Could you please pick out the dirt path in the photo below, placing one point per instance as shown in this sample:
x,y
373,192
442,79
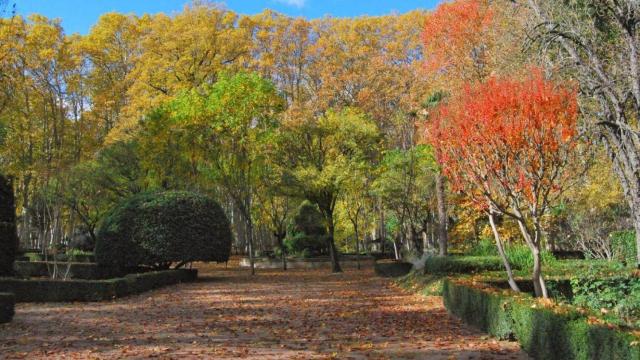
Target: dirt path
x,y
274,315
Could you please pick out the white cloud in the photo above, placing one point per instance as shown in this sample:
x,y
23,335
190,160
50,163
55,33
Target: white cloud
x,y
296,3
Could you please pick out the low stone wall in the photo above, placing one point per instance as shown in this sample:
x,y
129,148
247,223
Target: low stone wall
x,y
311,263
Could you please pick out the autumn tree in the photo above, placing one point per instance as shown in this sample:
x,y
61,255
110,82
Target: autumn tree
x,y
232,120
598,42
318,156
510,145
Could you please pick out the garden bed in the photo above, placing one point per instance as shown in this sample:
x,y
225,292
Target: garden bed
x,y
544,330
46,290
309,263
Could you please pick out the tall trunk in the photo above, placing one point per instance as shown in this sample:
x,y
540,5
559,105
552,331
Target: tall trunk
x,y
534,245
280,237
442,215
502,254
250,243
335,261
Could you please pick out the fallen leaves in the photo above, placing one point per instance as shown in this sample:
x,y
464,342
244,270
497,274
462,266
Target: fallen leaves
x,y
295,315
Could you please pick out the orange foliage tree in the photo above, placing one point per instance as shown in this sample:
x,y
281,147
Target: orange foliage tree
x,y
508,145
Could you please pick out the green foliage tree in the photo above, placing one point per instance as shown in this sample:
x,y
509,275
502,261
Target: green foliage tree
x,y
232,122
318,156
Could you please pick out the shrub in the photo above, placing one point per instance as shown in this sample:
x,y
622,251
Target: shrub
x,y
544,333
8,230
46,290
158,229
307,233
519,256
392,268
623,244
7,303
617,296
462,264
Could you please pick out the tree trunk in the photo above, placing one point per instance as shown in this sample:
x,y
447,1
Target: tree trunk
x,y
280,237
534,245
250,244
442,215
503,256
333,252
357,246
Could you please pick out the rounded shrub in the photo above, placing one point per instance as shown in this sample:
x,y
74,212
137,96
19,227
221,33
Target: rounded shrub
x,y
157,229
8,230
307,233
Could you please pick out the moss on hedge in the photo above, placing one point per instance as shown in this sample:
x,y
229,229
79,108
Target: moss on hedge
x,y
7,302
543,332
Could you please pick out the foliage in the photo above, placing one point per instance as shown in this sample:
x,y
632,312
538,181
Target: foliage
x,y
617,297
161,228
307,231
624,246
8,231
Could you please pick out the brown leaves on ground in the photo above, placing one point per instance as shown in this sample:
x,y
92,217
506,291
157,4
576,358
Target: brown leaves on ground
x,y
298,314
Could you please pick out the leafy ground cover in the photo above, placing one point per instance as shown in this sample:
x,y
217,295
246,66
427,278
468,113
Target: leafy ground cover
x,y
296,314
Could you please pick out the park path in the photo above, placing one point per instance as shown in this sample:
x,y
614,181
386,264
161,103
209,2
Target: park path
x,y
298,314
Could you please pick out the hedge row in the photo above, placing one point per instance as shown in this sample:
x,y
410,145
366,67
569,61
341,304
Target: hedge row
x,y
392,268
84,271
7,302
462,264
542,332
46,290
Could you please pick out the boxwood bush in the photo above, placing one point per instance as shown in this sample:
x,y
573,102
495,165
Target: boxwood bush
x,y
157,229
462,264
8,232
555,332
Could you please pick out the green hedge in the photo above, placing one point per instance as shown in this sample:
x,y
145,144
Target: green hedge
x,y
156,229
462,264
542,332
46,290
81,270
392,269
7,303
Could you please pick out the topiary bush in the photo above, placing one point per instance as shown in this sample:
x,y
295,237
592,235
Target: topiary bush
x,y
307,233
8,230
157,229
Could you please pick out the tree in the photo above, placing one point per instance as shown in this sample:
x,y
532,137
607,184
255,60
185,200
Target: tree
x,y
231,122
318,156
510,146
598,42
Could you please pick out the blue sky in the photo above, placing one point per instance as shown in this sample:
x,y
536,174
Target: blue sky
x,y
80,15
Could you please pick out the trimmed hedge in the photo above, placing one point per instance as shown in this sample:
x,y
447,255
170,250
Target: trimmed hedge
x,y
7,303
392,269
543,333
8,229
156,229
46,290
81,270
462,264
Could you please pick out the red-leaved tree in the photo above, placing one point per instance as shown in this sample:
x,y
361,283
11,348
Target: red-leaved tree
x,y
510,145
